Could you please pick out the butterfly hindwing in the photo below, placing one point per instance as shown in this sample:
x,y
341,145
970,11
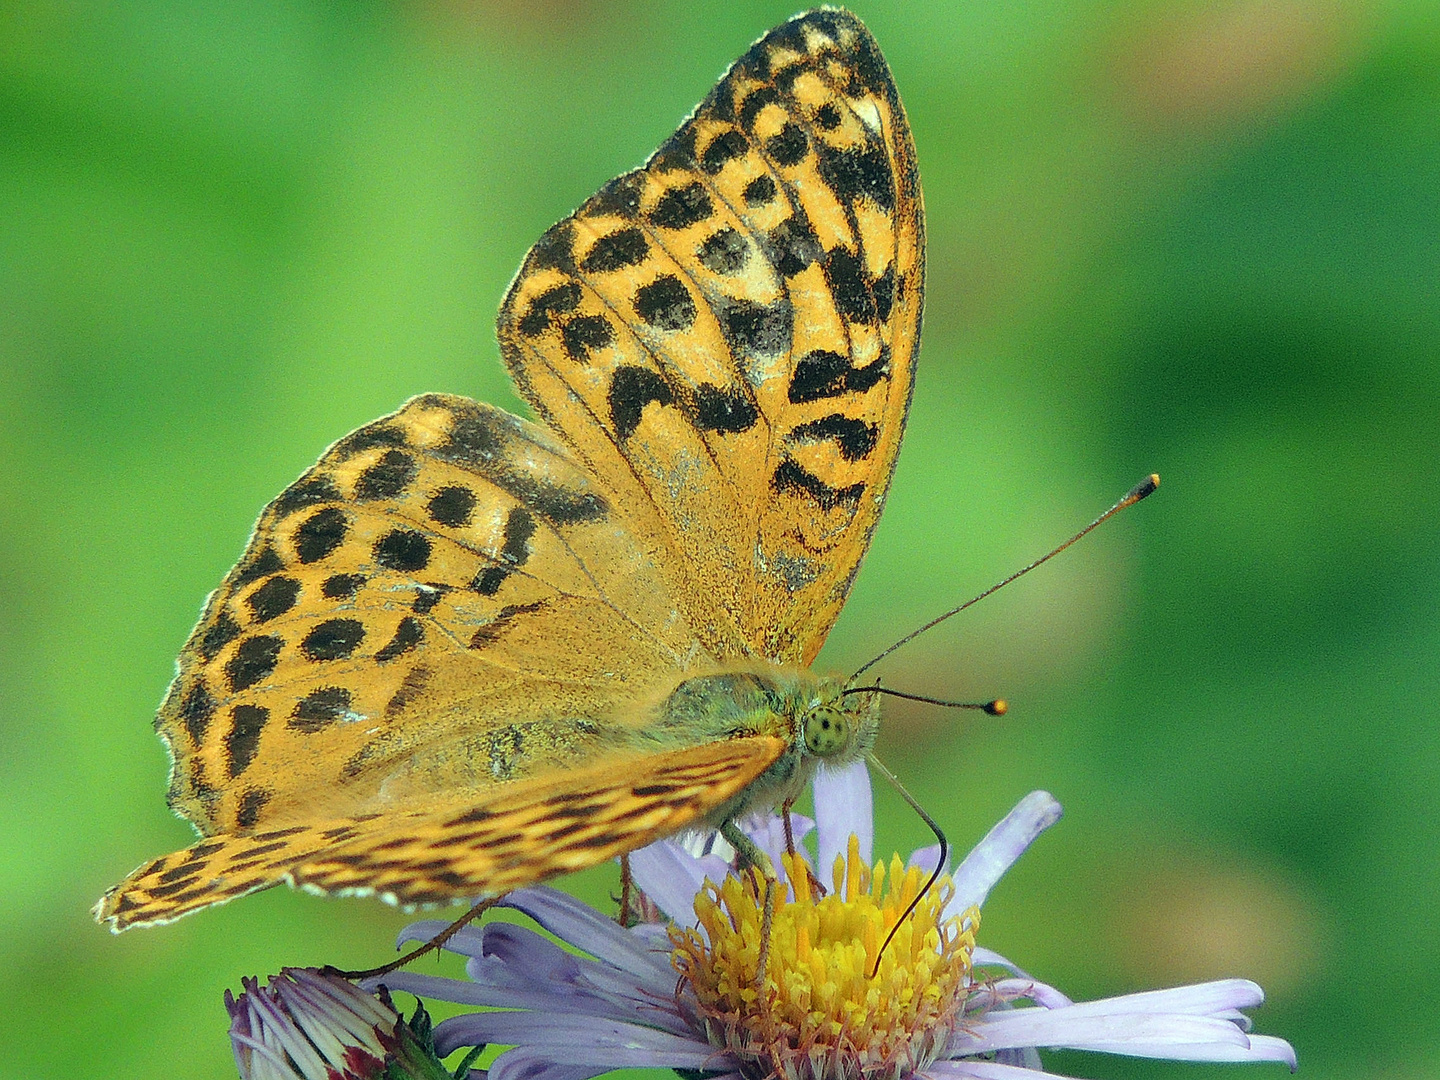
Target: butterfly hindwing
x,y
456,848
728,334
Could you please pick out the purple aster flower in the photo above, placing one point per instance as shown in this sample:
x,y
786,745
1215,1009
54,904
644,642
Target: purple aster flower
x,y
307,1024
811,995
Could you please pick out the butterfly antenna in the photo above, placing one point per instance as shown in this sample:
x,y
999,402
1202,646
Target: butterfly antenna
x,y
998,707
939,863
1134,495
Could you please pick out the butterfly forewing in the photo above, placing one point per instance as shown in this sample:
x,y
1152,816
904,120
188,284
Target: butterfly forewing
x,y
730,332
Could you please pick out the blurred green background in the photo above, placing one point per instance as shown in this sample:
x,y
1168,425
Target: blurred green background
x,y
1201,239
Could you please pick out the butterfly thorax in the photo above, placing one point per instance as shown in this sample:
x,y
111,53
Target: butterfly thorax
x,y
810,713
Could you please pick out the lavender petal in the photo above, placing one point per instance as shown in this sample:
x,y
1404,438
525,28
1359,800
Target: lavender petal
x,y
467,941
585,928
1006,842
1198,999
984,1070
1132,1034
925,858
1042,994
671,876
843,806
574,1040
523,1064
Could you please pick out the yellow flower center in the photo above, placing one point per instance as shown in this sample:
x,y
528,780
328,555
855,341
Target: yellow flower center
x,y
816,1011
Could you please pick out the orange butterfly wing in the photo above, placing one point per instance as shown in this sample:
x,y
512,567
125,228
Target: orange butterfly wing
x,y
523,832
728,335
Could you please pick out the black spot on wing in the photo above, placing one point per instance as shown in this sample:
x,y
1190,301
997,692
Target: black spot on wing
x,y
387,478
319,708
334,639
475,438
885,291
724,253
368,438
680,208
262,564
243,740
320,534
853,298
855,438
722,149
584,334
631,389
559,300
408,635
791,477
451,506
792,245
488,581
196,709
341,586
404,550
555,250
757,330
676,152
217,635
859,173
251,803
519,528
725,147
254,659
789,147
273,598
414,682
666,303
310,491
761,191
427,596
497,626
827,117
628,247
723,411
822,373
619,197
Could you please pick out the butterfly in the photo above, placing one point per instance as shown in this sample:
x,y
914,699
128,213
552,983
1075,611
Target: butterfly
x,y
466,652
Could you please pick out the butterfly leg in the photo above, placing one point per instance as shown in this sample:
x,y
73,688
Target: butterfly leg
x,y
767,924
626,884
478,908
749,856
747,852
817,888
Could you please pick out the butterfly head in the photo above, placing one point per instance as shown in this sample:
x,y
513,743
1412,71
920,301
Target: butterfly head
x,y
838,728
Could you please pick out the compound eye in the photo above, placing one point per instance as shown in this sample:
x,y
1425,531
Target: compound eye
x,y
827,731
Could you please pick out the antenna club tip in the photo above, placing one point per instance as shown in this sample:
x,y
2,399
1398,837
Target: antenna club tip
x,y
1145,487
998,707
